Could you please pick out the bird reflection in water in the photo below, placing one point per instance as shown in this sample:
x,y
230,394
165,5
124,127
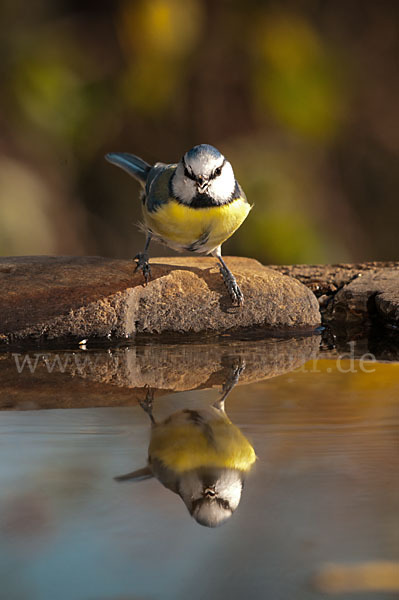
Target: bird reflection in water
x,y
200,455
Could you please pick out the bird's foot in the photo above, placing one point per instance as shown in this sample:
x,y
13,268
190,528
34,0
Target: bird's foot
x,y
233,377
236,369
232,286
147,403
143,265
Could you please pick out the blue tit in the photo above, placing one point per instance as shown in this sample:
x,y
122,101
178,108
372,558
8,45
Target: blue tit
x,y
194,205
201,456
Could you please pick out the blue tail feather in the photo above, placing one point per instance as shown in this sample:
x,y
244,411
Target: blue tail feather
x,y
135,166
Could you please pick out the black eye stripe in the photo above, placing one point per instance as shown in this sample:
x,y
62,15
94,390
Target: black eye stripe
x,y
188,174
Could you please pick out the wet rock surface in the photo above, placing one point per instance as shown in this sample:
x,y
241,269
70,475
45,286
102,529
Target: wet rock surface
x,y
51,298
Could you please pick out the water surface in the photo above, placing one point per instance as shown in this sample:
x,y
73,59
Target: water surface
x,y
323,495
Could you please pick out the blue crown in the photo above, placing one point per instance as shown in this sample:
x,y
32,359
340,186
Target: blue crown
x,y
203,149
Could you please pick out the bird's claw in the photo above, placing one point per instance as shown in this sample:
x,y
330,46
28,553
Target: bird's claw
x,y
143,265
147,402
236,370
238,367
235,294
233,288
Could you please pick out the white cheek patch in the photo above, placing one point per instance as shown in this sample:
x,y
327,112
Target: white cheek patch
x,y
229,487
185,190
190,487
183,187
222,187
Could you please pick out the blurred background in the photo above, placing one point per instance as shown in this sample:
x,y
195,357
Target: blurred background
x,y
300,95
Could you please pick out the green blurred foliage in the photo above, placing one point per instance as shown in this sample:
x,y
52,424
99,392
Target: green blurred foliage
x,y
301,96
295,77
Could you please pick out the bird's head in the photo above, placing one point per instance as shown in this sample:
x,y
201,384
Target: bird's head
x,y
203,170
211,494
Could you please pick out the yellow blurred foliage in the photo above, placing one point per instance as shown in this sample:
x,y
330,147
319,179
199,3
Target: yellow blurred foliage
x,y
295,77
157,37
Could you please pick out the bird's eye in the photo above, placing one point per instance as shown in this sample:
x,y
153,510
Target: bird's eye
x,y
218,171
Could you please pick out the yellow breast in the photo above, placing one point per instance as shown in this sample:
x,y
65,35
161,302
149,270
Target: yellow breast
x,y
197,229
183,447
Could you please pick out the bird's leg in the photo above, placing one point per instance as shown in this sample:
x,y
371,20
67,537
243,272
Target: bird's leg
x,y
142,260
229,280
232,379
147,404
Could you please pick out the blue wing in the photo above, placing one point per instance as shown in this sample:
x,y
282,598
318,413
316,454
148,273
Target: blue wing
x,y
157,189
135,166
155,180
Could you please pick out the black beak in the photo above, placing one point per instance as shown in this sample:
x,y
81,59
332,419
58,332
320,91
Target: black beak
x,y
201,183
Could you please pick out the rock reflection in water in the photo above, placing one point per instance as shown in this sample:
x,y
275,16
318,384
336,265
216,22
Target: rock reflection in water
x,y
200,455
119,376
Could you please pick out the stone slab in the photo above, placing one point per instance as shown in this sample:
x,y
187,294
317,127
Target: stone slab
x,y
50,298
